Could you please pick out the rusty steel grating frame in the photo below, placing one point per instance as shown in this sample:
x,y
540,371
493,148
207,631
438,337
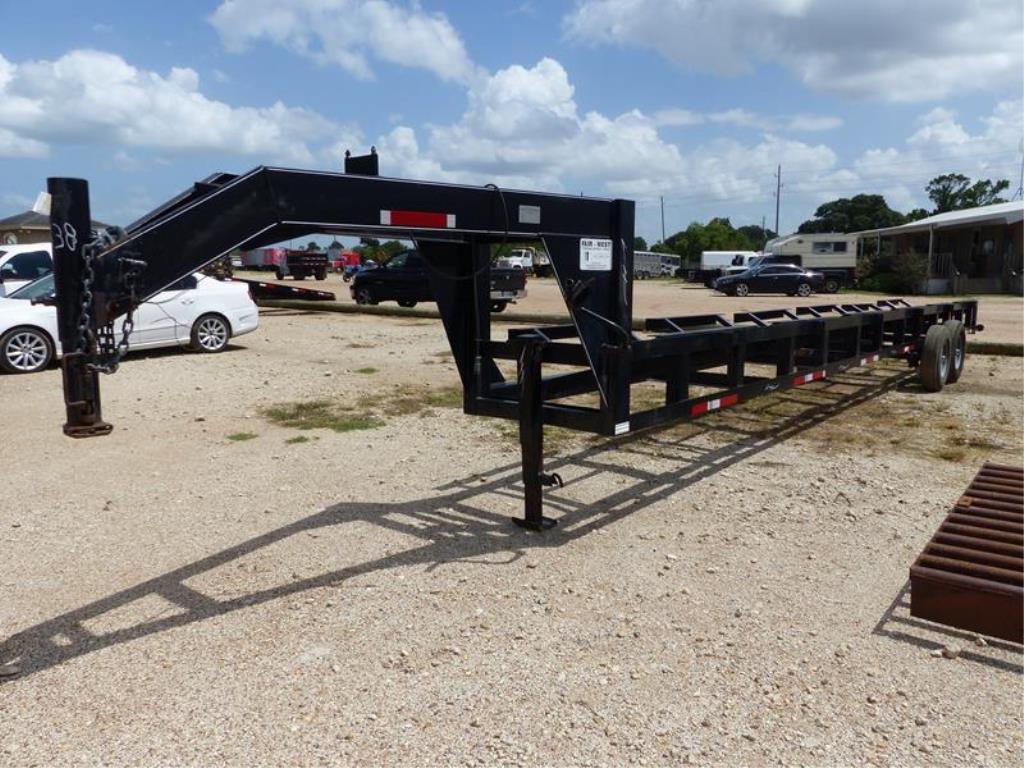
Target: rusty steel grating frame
x,y
971,574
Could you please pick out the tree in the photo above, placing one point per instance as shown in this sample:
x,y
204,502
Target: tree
x,y
312,246
852,214
639,244
757,236
954,192
916,215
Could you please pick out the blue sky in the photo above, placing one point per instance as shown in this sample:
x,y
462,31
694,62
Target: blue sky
x,y
690,100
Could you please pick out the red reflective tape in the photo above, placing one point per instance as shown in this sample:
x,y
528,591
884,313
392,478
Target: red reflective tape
x,y
713,405
807,378
418,219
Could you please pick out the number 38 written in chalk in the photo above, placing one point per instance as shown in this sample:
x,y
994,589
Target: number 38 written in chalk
x,y
595,255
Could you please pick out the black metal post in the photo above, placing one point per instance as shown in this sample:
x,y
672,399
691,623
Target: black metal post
x,y
531,437
70,231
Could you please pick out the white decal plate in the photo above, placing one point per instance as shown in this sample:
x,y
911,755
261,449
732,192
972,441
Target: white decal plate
x,y
622,428
595,255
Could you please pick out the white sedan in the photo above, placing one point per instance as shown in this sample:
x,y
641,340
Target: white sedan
x,y
197,311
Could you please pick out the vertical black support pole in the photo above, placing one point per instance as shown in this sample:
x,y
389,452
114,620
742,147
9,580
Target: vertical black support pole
x,y
786,351
70,231
735,366
677,383
531,437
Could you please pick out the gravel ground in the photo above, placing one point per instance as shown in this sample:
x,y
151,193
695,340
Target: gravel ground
x,y
730,592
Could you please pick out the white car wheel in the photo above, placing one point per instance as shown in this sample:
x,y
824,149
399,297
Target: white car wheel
x,y
210,333
25,350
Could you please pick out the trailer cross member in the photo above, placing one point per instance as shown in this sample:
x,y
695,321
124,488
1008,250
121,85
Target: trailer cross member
x,y
706,363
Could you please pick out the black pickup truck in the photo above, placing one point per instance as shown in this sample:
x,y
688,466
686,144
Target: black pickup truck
x,y
404,279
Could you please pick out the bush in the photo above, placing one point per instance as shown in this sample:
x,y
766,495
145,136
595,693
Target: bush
x,y
884,282
910,269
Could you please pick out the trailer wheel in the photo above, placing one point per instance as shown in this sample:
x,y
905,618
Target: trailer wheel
x,y
407,303
958,340
321,273
498,306
803,290
741,290
831,285
936,358
279,273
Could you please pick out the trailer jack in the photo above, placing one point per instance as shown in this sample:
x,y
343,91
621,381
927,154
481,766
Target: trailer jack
x,y
706,363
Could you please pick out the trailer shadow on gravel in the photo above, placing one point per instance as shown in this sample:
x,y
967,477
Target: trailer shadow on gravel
x,y
460,524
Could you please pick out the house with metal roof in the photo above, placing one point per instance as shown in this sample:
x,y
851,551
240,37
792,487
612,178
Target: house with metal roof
x,y
975,250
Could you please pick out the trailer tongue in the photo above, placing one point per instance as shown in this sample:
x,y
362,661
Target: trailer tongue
x,y
706,363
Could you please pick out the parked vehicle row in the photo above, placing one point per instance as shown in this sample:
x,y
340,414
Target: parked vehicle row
x,y
199,312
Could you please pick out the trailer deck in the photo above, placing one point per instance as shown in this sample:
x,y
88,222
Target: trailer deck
x,y
705,362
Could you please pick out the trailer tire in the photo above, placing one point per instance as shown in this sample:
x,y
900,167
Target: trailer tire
x,y
958,339
741,289
321,273
407,303
831,285
498,306
936,358
279,273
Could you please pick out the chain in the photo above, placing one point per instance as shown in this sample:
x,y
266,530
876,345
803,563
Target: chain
x,y
101,345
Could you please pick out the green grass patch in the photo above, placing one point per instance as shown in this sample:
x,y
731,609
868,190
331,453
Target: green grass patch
x,y
366,370
241,437
320,414
299,439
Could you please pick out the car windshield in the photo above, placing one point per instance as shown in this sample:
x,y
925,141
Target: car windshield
x,y
37,289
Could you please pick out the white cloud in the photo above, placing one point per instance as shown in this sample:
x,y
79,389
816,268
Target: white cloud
x,y
13,145
523,128
941,145
677,117
903,51
348,33
814,123
95,97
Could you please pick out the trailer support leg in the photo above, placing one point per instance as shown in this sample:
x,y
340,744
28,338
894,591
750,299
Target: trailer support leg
x,y
531,439
71,231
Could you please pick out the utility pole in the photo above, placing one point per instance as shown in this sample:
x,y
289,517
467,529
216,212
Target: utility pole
x,y
1020,186
778,196
764,234
662,219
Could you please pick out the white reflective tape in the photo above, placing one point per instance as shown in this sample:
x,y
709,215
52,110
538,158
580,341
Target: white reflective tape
x,y
450,221
714,405
385,218
622,428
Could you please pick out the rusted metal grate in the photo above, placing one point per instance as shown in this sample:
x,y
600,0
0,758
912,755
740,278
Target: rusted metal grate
x,y
971,574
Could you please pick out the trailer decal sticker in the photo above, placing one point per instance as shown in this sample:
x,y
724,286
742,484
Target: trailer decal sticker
x,y
417,219
622,428
707,406
807,378
595,255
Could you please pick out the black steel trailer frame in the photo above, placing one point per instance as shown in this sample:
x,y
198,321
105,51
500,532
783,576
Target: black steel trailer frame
x,y
704,362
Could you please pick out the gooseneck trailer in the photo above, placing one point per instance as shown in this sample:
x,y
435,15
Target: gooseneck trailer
x,y
705,363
